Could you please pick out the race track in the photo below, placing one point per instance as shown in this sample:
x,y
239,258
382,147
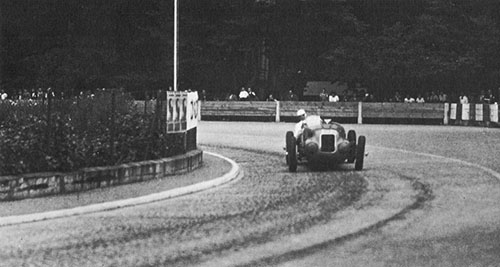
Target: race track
x,y
458,226
456,221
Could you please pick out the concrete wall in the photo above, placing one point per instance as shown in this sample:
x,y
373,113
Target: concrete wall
x,y
44,184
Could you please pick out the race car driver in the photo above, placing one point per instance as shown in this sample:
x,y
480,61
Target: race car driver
x,y
301,114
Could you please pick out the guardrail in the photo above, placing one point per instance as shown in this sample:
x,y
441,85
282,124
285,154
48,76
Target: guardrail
x,y
444,113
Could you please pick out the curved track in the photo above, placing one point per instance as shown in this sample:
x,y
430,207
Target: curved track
x,y
270,202
458,226
267,202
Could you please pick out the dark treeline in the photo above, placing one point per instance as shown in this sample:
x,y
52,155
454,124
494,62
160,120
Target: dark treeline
x,y
75,45
273,46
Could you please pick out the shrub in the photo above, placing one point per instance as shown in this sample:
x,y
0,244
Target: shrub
x,y
77,133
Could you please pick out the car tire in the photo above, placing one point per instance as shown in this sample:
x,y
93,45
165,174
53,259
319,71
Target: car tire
x,y
360,153
291,151
351,137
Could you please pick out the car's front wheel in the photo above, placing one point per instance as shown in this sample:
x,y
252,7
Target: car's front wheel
x,y
360,153
291,151
351,137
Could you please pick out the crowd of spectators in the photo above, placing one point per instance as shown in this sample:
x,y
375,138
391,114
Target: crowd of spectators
x,y
45,93
484,97
247,94
362,95
26,94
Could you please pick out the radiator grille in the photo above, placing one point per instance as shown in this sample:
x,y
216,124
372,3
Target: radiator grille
x,y
328,143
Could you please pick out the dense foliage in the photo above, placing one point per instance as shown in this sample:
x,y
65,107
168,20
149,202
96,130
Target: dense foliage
x,y
85,132
273,45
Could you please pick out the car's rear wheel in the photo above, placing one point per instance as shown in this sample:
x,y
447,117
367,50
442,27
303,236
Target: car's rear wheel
x,y
291,151
360,153
351,137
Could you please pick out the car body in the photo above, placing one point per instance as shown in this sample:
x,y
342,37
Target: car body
x,y
324,144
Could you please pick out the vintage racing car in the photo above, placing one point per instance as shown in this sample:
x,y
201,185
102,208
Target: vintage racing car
x,y
324,144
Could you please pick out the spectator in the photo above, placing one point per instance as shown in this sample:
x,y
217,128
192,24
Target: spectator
x,y
243,94
50,93
409,99
463,99
3,95
323,96
420,99
251,95
345,96
433,98
398,97
372,98
291,96
40,94
443,97
333,97
481,96
26,94
271,98
232,97
489,98
368,97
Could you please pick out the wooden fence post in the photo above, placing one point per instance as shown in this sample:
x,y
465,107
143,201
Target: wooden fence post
x,y
360,112
277,119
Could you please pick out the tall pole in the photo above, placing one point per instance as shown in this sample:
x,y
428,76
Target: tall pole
x,y
175,45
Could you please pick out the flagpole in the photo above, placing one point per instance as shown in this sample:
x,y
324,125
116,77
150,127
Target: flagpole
x,y
175,45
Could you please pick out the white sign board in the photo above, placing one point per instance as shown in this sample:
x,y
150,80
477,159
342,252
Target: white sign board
x,y
465,112
479,112
494,112
453,111
192,110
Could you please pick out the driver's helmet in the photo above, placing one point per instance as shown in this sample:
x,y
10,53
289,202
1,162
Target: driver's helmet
x,y
301,112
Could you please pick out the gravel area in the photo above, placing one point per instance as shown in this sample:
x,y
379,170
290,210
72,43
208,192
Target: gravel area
x,y
213,167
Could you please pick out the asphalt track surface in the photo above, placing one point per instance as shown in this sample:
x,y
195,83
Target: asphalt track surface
x,y
456,223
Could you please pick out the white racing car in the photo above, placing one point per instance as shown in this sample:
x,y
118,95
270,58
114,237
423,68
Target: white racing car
x,y
324,144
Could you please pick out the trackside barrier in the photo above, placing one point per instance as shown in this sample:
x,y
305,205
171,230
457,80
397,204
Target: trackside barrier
x,y
455,114
178,112
358,111
44,184
473,114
